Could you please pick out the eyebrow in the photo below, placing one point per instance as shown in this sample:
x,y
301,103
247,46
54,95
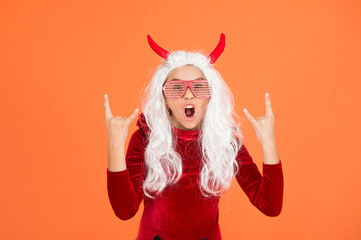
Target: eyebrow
x,y
181,79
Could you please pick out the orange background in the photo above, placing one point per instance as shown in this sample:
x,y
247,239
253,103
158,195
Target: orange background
x,y
58,59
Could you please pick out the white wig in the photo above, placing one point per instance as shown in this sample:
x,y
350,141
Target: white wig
x,y
220,136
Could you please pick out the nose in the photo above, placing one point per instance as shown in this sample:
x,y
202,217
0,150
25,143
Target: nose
x,y
188,94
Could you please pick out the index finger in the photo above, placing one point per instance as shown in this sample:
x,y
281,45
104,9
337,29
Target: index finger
x,y
107,112
269,111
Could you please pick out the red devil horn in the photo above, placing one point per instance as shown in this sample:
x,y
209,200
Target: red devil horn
x,y
218,50
160,51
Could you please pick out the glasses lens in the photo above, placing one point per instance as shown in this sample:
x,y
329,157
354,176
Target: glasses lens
x,y
201,88
174,89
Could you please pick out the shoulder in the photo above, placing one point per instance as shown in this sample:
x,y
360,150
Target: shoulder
x,y
138,137
243,156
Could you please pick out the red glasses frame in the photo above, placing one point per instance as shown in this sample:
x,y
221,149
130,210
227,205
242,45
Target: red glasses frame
x,y
188,85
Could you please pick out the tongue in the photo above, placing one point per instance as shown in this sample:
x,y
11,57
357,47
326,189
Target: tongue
x,y
189,112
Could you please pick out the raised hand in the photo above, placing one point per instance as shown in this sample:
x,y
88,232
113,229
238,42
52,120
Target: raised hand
x,y
117,125
264,126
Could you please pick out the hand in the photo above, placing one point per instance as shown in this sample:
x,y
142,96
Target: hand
x,y
264,126
117,126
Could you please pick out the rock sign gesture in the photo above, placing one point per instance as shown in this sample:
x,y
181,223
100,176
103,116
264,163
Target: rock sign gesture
x,y
264,126
117,126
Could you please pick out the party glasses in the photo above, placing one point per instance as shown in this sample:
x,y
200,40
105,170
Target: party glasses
x,y
176,88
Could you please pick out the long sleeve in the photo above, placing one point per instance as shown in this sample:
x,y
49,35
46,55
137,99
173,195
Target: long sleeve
x,y
125,188
265,193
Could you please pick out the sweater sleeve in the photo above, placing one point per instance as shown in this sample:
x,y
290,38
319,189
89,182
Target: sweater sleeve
x,y
264,192
125,188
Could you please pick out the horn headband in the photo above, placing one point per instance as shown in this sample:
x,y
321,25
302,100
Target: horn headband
x,y
213,55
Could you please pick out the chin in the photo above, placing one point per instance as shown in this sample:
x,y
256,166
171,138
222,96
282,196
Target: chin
x,y
191,127
187,125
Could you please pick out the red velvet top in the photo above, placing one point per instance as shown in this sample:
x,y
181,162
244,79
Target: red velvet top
x,y
181,211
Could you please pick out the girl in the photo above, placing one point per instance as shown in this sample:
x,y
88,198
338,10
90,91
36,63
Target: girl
x,y
186,152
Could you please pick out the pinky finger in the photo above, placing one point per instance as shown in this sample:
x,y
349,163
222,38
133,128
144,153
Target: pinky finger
x,y
133,115
249,116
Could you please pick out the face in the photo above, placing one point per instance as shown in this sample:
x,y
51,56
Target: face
x,y
182,117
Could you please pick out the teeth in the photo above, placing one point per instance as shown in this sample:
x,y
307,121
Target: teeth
x,y
189,106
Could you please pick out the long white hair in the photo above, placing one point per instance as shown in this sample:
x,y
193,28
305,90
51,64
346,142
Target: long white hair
x,y
220,136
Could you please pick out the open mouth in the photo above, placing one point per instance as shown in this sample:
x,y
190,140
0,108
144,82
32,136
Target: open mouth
x,y
189,112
